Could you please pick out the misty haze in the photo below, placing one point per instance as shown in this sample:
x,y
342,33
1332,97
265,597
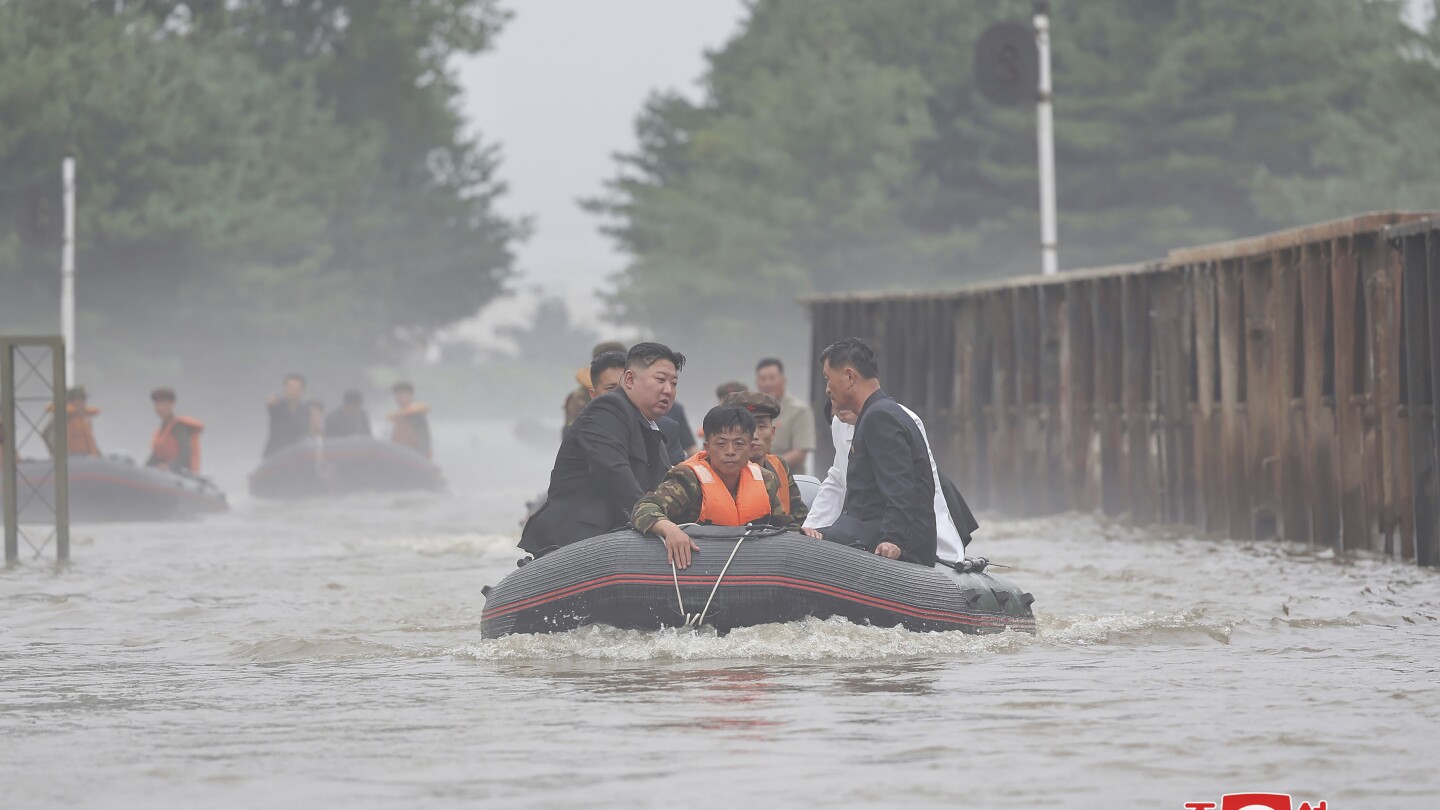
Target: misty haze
x,y
735,403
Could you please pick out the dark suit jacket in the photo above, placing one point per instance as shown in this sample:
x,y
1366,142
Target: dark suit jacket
x,y
610,457
965,521
287,426
669,428
889,490
347,421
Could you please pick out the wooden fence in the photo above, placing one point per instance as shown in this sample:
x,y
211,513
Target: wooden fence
x,y
1281,386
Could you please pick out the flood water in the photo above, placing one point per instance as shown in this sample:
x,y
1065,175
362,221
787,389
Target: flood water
x,y
328,654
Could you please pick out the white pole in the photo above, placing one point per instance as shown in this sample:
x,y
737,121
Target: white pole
x,y
67,272
1045,124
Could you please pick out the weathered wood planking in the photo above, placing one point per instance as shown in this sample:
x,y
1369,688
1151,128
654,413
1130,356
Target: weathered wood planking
x,y
1109,428
1281,386
1257,279
1077,395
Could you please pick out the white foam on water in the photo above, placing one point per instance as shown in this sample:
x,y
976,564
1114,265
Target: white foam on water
x,y
808,640
830,640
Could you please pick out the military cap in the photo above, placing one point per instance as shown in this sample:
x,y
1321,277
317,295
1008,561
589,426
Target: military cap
x,y
755,402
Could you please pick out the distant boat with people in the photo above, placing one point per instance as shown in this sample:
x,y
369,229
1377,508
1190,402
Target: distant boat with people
x,y
318,467
115,488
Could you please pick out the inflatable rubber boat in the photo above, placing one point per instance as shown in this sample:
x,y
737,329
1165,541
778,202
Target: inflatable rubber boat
x,y
743,576
336,466
115,488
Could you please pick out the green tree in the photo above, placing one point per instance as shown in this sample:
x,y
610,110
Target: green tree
x,y
263,185
843,145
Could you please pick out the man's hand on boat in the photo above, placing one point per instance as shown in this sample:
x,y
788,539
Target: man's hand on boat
x,y
678,545
888,550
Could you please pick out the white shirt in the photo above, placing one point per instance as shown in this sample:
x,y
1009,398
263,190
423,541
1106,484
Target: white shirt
x,y
830,500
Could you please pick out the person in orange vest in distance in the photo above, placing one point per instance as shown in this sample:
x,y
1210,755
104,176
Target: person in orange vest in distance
x,y
176,444
411,426
717,486
766,409
79,431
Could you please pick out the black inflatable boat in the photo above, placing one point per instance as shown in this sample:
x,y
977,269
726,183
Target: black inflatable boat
x,y
336,466
115,488
623,580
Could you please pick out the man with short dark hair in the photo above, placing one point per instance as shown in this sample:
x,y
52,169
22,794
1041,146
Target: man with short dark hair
x,y
606,371
794,434
611,456
176,443
889,488
350,419
766,410
411,425
718,486
289,416
577,399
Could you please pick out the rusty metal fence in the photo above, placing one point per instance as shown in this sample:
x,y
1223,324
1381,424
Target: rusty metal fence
x,y
1280,386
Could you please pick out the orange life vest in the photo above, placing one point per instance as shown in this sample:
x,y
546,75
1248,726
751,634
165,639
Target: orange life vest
x,y
782,472
79,434
718,507
165,447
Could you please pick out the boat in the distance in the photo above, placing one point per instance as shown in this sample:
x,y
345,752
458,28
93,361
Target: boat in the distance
x,y
744,576
114,488
314,468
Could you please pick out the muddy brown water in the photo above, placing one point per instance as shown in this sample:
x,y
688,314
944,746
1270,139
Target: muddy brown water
x,y
328,654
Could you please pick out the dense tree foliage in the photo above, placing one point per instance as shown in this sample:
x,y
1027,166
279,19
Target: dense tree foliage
x,y
278,178
843,144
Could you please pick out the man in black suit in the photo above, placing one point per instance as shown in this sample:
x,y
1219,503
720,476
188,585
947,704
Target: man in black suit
x,y
889,487
289,416
611,455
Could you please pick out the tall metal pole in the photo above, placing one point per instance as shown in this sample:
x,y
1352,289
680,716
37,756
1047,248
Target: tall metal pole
x,y
60,473
1045,124
9,456
67,270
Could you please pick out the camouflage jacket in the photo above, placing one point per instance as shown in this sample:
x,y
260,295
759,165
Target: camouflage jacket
x,y
575,403
678,500
798,510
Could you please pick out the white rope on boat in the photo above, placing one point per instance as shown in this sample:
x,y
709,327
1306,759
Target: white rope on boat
x,y
697,620
706,609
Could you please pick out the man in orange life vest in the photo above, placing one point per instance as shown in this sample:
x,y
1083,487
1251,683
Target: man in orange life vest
x,y
412,428
719,486
766,409
79,432
176,444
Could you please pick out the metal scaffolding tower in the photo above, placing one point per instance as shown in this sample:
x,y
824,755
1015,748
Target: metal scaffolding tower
x,y
36,503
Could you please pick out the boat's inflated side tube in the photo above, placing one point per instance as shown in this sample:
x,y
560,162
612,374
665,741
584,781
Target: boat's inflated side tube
x,y
622,579
313,468
115,488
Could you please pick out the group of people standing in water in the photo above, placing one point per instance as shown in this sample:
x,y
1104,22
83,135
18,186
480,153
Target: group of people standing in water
x,y
295,419
617,465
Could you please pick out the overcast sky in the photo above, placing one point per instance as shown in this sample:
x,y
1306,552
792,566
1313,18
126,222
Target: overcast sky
x,y
559,93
